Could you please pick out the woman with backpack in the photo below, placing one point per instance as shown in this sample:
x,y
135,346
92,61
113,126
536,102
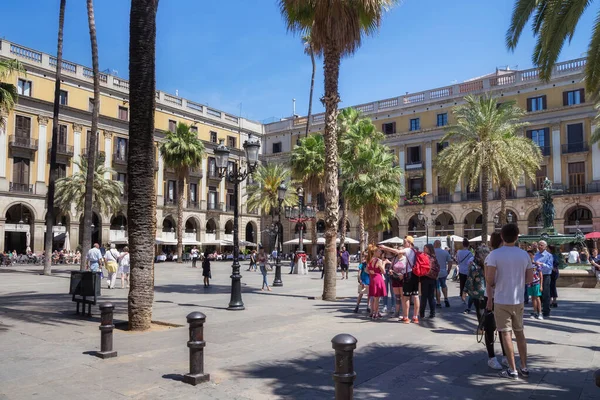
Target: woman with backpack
x,y
429,283
396,273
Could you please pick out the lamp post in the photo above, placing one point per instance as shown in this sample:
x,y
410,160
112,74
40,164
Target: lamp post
x,y
300,214
423,218
281,190
236,176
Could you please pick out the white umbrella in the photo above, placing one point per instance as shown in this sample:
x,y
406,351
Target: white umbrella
x,y
478,239
321,240
247,244
67,245
455,238
297,241
394,240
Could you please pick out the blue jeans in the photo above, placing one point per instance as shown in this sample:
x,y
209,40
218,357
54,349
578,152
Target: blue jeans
x,y
390,301
263,271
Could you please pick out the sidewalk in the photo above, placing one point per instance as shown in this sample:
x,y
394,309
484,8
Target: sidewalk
x,y
279,347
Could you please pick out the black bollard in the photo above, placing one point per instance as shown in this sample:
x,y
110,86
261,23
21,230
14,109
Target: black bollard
x,y
196,344
106,329
344,375
597,377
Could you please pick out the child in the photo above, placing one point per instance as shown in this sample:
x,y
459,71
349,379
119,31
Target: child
x,y
535,289
363,283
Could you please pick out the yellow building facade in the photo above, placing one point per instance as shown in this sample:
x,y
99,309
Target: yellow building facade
x,y
24,157
560,119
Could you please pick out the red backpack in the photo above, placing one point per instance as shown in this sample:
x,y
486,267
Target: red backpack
x,y
422,265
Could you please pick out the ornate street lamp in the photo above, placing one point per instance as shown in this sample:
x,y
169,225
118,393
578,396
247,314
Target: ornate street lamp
x,y
300,214
236,176
281,191
425,220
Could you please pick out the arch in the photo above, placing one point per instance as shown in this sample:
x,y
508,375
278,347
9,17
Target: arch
x,y
578,218
320,226
393,230
534,222
30,208
473,221
211,226
229,227
192,225
168,224
251,232
511,218
416,227
444,224
340,226
96,228
118,222
18,228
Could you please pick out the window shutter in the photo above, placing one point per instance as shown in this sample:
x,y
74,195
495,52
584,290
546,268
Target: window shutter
x,y
544,104
547,137
529,101
383,128
528,133
565,98
582,95
25,171
393,127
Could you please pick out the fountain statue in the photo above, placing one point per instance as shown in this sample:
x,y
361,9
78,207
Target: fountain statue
x,y
548,212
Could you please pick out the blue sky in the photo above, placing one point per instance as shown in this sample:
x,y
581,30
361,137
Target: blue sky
x,y
227,53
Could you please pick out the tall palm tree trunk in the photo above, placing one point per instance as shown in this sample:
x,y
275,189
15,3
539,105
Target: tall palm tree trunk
x,y
52,179
372,230
485,184
343,223
502,216
91,145
361,229
181,187
330,100
313,229
141,205
312,86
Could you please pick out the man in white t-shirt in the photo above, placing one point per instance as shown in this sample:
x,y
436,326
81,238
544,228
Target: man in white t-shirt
x,y
507,270
573,256
445,260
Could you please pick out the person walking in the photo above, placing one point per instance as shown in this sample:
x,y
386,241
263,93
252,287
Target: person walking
x,y
476,288
376,270
195,254
252,264
410,282
545,260
363,283
428,284
124,267
344,261
464,257
112,256
445,260
206,269
262,264
94,258
507,270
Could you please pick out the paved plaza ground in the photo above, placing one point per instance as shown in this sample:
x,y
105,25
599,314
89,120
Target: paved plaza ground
x,y
279,347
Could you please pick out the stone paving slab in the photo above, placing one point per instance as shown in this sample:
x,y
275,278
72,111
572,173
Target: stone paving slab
x,y
279,347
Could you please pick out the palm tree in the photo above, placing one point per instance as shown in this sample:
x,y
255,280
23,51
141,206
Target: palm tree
x,y
308,49
52,178
141,204
92,137
263,193
71,190
8,91
337,28
374,191
485,148
182,151
554,22
308,167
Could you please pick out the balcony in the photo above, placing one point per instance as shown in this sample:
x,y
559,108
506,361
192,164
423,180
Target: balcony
x,y
212,206
20,188
546,151
471,196
593,187
229,208
170,202
510,194
61,150
119,159
196,173
443,199
576,147
21,142
84,153
413,165
213,174
193,205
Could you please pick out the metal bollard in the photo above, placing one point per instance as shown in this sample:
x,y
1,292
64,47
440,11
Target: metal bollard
x,y
597,377
196,344
344,375
106,329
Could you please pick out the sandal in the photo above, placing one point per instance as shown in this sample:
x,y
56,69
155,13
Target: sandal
x,y
415,320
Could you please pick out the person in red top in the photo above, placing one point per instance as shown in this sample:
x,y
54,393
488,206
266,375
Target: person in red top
x,y
375,269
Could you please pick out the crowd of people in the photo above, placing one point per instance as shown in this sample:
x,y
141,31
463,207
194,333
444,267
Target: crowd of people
x,y
115,262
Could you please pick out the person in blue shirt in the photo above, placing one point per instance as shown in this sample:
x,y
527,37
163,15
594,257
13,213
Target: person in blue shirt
x,y
545,260
363,283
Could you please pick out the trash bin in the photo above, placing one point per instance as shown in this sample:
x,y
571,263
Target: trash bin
x,y
85,286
